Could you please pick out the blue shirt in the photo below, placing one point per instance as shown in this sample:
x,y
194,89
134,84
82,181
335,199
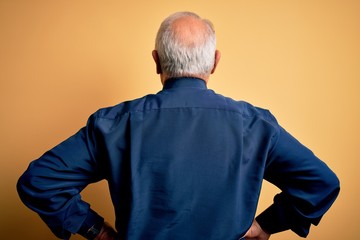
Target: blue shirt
x,y
185,163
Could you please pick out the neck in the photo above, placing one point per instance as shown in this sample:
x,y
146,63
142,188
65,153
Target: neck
x,y
164,78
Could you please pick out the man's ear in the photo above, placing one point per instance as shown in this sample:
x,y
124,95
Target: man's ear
x,y
155,56
217,59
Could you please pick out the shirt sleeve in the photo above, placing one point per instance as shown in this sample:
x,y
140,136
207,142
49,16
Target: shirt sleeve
x,y
308,187
52,184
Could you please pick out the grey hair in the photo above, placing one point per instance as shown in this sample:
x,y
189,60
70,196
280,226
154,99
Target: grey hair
x,y
179,59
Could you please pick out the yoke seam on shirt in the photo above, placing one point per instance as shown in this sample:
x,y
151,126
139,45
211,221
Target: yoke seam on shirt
x,y
170,108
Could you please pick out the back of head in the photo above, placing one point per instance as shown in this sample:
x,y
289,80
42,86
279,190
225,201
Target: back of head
x,y
186,45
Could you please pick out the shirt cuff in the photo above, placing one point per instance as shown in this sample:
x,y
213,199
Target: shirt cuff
x,y
272,220
279,217
91,226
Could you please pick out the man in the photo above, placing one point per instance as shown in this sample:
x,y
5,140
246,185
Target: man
x,y
185,163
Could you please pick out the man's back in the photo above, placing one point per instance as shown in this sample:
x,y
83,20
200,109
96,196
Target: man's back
x,y
193,162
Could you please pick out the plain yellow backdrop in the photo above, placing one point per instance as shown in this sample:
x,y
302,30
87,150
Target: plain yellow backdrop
x,y
62,60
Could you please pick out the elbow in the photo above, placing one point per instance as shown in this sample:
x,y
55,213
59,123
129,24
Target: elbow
x,y
331,190
28,187
333,184
22,187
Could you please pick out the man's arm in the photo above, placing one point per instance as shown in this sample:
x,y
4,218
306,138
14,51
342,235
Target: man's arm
x,y
52,184
308,187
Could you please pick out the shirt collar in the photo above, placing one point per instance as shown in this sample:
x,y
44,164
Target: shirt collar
x,y
185,82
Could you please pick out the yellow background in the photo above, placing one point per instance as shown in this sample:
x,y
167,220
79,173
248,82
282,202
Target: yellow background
x,y
62,60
